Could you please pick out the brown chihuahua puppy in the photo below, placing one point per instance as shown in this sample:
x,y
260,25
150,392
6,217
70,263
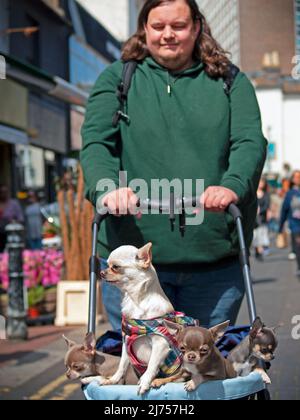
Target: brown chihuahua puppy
x,y
202,361
84,362
259,345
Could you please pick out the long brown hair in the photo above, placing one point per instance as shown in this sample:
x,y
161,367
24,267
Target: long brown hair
x,y
206,49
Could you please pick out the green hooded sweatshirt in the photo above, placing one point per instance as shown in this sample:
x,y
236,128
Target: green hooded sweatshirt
x,y
182,126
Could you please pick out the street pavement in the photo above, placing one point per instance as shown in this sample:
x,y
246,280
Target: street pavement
x,y
34,370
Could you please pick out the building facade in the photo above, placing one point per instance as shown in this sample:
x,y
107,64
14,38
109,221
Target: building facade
x,y
223,17
120,20
4,19
5,147
280,106
250,29
54,53
263,37
297,25
34,124
267,26
91,49
134,9
112,14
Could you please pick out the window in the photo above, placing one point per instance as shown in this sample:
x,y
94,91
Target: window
x,y
54,3
30,163
297,23
33,43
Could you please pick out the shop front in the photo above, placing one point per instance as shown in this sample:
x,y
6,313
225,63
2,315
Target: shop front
x,y
13,129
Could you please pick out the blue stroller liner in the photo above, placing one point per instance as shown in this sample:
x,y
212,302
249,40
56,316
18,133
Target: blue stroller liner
x,y
231,389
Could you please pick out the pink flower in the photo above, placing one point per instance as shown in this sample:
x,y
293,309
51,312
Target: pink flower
x,y
39,267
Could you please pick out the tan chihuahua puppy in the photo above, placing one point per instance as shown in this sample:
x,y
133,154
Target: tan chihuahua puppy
x,y
84,362
131,270
203,362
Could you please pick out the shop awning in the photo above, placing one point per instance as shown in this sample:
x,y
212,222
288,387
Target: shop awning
x,y
13,136
52,85
68,92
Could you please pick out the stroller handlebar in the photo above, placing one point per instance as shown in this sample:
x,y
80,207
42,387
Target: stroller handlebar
x,y
164,206
234,211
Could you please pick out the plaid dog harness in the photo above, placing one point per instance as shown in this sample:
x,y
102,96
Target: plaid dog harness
x,y
132,329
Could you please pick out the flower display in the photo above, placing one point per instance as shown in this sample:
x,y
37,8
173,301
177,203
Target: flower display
x,y
4,279
39,267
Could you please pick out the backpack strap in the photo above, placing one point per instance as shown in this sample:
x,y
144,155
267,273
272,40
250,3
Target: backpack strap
x,y
123,89
127,74
230,78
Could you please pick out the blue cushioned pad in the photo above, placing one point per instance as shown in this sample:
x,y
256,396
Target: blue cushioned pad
x,y
230,389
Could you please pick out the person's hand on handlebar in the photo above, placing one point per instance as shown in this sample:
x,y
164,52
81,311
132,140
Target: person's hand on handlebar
x,y
121,202
218,199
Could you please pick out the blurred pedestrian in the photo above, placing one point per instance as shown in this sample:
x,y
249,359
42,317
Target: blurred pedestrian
x,y
282,241
286,185
261,241
10,211
291,212
34,226
287,171
274,212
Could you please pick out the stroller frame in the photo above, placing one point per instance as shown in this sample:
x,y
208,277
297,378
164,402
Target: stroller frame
x,y
182,203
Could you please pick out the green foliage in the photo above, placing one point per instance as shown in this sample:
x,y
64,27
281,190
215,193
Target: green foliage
x,y
35,296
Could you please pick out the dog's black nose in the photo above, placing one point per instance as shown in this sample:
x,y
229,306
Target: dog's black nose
x,y
102,275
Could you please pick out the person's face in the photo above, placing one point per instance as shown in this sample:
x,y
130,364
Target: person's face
x,y
31,197
296,179
171,35
4,194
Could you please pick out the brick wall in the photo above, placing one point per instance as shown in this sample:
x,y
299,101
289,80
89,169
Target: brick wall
x,y
266,26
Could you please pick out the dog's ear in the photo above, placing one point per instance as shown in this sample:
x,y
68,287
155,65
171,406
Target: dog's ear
x,y
173,328
144,256
256,328
218,331
90,343
69,342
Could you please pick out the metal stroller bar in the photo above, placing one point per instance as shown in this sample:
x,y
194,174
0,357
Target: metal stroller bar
x,y
94,273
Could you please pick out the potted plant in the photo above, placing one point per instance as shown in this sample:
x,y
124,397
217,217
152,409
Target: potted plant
x,y
3,303
35,296
49,302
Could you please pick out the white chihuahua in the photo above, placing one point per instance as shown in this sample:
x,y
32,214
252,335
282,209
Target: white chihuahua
x,y
131,270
